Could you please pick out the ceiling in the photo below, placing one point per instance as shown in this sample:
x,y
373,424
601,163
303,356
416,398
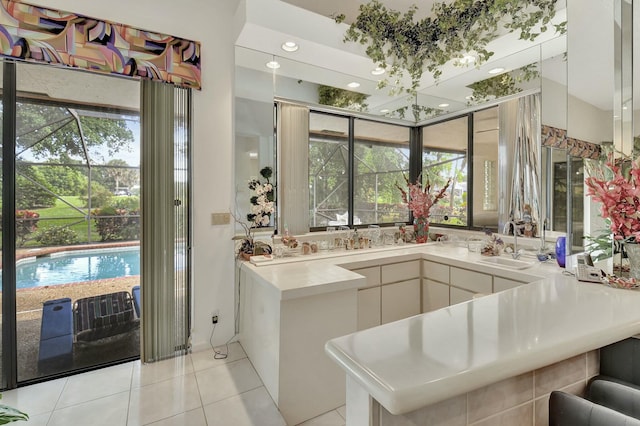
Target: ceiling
x,y
323,57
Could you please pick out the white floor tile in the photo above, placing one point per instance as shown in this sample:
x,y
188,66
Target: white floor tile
x,y
154,372
332,418
190,418
107,411
342,411
35,399
164,399
205,359
253,408
37,420
96,384
227,380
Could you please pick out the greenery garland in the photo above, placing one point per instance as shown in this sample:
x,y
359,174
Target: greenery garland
x,y
502,85
397,42
342,98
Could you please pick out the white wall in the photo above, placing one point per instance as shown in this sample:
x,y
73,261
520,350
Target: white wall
x,y
211,23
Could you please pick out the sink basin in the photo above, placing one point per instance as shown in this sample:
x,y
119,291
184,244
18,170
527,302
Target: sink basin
x,y
507,263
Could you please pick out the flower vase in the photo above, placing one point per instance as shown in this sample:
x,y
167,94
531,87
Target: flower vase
x,y
421,229
561,244
633,254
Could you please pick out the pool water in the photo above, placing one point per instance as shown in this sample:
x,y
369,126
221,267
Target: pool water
x,y
71,267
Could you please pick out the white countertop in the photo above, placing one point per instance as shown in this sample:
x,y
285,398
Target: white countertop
x,y
428,358
330,271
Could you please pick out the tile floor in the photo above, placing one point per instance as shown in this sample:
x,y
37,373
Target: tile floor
x,y
192,390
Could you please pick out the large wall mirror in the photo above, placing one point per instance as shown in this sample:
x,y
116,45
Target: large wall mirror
x,y
541,67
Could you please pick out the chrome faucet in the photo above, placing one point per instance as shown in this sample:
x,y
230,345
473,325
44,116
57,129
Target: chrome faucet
x,y
516,253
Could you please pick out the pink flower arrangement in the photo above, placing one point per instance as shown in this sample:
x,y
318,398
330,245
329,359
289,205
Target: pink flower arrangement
x,y
419,199
620,198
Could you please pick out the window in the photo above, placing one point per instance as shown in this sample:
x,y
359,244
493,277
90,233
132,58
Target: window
x,y
381,159
444,156
355,163
328,170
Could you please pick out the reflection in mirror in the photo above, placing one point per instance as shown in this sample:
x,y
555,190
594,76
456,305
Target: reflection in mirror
x,y
590,101
444,156
254,140
485,170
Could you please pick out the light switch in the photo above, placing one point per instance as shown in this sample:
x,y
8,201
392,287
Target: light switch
x,y
220,218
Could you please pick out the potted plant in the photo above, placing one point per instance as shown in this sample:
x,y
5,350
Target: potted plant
x,y
262,207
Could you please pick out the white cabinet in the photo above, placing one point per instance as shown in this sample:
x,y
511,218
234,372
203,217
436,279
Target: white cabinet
x,y
368,308
435,295
400,300
502,284
472,281
400,271
459,295
392,293
435,285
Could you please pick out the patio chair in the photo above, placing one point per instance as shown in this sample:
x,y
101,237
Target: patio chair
x,y
103,316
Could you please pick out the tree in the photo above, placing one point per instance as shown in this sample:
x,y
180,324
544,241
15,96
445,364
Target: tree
x,y
65,180
120,174
51,132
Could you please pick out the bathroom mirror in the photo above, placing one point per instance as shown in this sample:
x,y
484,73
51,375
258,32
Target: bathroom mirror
x,y
300,81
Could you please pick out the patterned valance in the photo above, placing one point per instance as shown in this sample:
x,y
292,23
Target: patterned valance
x,y
557,138
38,34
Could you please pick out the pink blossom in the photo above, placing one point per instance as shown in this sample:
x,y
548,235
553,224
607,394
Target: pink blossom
x,y
620,198
419,199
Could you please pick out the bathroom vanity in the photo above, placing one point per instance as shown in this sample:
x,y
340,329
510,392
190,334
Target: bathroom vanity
x,y
290,308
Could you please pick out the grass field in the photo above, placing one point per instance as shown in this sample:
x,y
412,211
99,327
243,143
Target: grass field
x,y
68,211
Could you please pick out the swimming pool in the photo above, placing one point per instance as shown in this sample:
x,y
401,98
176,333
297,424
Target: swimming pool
x,y
77,266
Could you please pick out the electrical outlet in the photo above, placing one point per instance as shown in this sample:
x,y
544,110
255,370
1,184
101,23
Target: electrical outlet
x,y
215,317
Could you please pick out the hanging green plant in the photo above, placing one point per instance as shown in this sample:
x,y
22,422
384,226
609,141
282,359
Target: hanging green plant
x,y
502,85
341,98
399,43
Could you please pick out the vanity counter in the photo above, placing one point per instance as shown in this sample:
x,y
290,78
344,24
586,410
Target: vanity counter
x,y
331,271
428,358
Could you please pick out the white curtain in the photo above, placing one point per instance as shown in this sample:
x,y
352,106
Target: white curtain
x,y
525,193
293,168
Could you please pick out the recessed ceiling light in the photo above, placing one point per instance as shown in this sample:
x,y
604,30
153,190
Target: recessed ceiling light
x,y
353,84
290,46
496,70
253,155
378,71
443,105
273,65
384,111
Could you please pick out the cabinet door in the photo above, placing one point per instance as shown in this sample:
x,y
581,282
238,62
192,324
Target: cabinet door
x,y
435,295
397,272
502,284
368,308
400,300
459,295
372,275
476,282
435,271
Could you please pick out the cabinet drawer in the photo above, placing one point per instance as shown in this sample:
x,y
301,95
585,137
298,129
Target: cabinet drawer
x,y
372,274
502,284
368,308
458,295
400,300
400,271
472,281
435,295
435,271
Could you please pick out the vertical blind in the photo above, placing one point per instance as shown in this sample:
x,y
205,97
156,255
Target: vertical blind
x,y
165,238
